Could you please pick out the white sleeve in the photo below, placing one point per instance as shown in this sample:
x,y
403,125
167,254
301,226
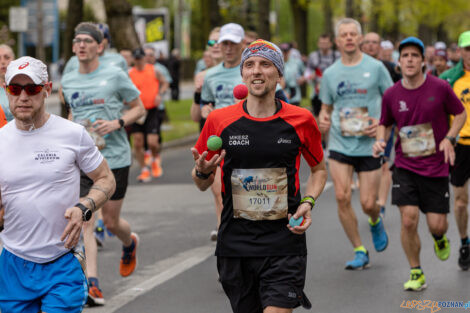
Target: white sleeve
x,y
89,157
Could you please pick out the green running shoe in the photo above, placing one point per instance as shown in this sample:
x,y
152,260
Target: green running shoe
x,y
417,281
442,248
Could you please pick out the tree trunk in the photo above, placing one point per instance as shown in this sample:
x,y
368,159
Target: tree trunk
x,y
121,24
425,33
74,17
374,16
395,33
214,14
350,8
442,33
263,17
328,27
300,25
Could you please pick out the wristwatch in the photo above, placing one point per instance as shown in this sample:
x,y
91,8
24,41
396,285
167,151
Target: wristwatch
x,y
308,199
86,212
203,176
121,123
452,140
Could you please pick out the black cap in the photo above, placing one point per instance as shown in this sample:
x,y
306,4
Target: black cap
x,y
138,53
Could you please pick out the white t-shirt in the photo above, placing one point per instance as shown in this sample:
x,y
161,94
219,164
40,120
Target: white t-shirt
x,y
39,180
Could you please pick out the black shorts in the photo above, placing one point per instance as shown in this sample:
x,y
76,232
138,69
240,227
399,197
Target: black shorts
x,y
430,194
121,175
460,172
252,284
360,163
151,125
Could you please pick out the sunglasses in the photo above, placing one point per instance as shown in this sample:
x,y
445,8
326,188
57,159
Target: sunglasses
x,y
31,89
85,40
211,43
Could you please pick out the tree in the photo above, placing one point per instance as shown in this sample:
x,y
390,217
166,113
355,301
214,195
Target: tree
x,y
328,27
74,17
299,11
121,24
264,8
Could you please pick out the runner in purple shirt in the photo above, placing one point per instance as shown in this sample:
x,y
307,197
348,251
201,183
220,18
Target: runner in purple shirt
x,y
419,105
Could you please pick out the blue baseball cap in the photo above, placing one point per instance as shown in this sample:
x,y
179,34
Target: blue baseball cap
x,y
411,41
105,30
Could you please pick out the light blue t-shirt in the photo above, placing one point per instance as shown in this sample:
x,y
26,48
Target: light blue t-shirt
x,y
293,69
347,88
218,85
200,66
5,104
164,71
100,95
108,58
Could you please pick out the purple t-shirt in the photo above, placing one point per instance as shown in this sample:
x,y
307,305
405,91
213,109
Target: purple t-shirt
x,y
421,116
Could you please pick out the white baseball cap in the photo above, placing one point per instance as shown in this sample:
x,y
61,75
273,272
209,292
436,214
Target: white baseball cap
x,y
440,45
386,44
31,67
231,32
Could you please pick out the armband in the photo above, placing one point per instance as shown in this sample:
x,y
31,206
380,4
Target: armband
x,y
197,97
308,199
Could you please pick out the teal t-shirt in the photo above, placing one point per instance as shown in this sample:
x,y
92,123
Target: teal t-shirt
x,y
162,69
218,85
353,91
100,95
108,58
5,104
293,69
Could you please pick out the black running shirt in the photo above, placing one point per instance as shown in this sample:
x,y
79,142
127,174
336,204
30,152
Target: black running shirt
x,y
260,177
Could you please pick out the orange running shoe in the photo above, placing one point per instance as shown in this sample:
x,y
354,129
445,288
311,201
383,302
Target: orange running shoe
x,y
129,258
144,176
147,158
157,170
95,297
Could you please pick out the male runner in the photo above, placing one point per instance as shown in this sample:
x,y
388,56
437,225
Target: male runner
x,y
419,106
42,155
6,56
95,94
459,79
351,92
260,258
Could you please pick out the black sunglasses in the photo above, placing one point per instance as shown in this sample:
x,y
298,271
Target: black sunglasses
x,y
31,89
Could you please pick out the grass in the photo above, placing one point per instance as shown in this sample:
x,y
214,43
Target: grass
x,y
180,124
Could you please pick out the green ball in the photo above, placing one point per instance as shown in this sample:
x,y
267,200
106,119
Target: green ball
x,y
214,143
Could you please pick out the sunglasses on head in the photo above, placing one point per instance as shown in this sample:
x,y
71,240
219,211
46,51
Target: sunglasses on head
x,y
211,43
31,89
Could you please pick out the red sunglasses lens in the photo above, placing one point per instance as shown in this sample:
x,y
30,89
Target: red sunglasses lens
x,y
33,89
14,89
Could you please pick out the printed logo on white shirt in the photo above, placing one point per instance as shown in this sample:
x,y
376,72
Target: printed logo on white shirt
x,y
46,156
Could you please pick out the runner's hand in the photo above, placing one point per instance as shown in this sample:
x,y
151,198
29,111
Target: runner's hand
x,y
73,228
158,100
324,121
378,148
103,127
305,211
449,152
204,166
206,109
371,129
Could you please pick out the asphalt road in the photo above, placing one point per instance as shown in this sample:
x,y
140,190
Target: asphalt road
x,y
177,270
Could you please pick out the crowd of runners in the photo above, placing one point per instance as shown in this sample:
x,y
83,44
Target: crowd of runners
x,y
394,114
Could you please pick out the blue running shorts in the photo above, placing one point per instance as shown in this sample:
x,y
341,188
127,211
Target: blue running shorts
x,y
53,287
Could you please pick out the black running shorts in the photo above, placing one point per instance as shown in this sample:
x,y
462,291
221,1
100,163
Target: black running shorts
x,y
121,175
151,125
460,172
430,194
252,284
360,163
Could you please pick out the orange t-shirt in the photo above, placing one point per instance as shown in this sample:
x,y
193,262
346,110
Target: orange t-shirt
x,y
3,119
147,83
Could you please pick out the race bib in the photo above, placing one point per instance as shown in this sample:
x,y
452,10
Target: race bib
x,y
353,121
417,140
99,141
259,194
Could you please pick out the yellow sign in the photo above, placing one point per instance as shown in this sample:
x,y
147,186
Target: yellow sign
x,y
154,30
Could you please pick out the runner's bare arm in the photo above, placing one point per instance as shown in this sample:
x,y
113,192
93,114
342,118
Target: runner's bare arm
x,y
383,133
324,117
164,85
445,145
205,167
103,187
315,184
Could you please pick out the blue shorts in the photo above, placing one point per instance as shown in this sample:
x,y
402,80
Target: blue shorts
x,y
29,287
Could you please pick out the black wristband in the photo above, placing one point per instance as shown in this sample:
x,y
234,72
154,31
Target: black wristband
x,y
203,176
197,97
1,228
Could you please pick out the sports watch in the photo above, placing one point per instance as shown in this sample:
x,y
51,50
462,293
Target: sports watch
x,y
86,212
308,199
452,140
203,176
121,123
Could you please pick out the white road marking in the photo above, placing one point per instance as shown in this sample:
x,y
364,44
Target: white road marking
x,y
159,273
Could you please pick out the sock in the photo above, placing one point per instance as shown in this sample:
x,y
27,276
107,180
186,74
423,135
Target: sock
x,y
360,248
130,248
438,237
465,241
373,223
93,281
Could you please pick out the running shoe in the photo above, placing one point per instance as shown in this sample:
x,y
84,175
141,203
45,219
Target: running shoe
x,y
361,261
144,176
147,158
95,296
99,233
129,258
417,281
442,248
379,235
157,170
214,235
464,258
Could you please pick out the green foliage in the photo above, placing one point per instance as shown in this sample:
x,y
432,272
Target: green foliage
x,y
180,123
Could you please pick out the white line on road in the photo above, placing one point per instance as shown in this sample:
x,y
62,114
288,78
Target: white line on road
x,y
159,273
